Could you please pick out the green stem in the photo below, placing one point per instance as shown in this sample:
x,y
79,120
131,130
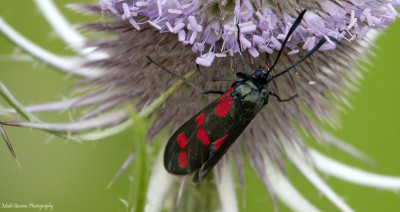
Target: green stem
x,y
141,168
140,171
163,97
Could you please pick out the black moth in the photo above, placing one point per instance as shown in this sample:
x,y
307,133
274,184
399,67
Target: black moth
x,y
201,142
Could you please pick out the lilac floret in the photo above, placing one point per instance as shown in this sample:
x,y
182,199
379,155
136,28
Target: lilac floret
x,y
261,26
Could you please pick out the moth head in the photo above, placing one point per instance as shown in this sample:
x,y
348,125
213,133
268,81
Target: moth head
x,y
261,76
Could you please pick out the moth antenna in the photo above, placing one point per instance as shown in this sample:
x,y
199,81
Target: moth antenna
x,y
316,47
291,30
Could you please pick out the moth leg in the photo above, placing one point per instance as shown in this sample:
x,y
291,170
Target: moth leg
x,y
226,79
282,100
200,72
185,80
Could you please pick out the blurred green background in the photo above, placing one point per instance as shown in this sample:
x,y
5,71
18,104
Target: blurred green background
x,y
73,176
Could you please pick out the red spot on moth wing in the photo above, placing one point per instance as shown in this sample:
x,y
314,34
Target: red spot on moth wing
x,y
182,160
218,142
199,120
182,140
225,94
202,135
223,107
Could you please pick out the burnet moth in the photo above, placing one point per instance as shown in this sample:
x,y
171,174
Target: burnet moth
x,y
201,141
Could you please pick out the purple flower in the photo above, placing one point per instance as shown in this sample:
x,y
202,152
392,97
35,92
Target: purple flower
x,y
180,34
210,27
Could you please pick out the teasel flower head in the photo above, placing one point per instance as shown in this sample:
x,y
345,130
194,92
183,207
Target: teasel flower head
x,y
180,34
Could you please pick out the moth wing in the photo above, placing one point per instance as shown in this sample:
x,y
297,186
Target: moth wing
x,y
207,136
235,130
185,152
